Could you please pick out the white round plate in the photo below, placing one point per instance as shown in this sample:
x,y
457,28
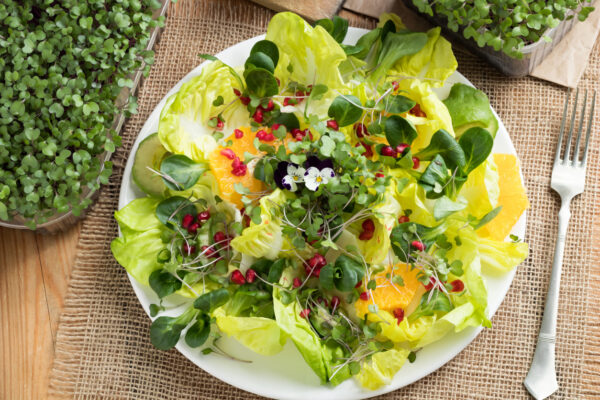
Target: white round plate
x,y
286,375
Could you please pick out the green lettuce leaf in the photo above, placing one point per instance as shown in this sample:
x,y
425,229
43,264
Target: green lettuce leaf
x,y
183,127
500,257
382,367
307,55
261,335
470,107
481,189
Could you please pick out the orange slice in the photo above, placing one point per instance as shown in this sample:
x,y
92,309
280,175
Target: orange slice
x,y
390,296
513,198
221,167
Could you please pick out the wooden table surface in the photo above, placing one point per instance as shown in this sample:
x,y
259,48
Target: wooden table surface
x,y
34,272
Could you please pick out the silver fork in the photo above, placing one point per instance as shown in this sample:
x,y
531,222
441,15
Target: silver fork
x,y
568,180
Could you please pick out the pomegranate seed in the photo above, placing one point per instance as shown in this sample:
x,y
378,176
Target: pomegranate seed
x,y
219,237
388,151
246,221
358,284
309,87
431,284
401,147
395,85
275,127
323,301
300,93
366,235
258,116
237,277
332,123
368,225
297,282
203,216
379,175
368,151
317,261
187,221
187,249
417,112
228,153
457,286
240,171
361,130
261,134
193,228
416,162
209,252
335,302
365,296
278,81
403,219
269,137
238,133
399,314
418,245
304,313
286,101
237,92
270,105
250,275
236,162
245,100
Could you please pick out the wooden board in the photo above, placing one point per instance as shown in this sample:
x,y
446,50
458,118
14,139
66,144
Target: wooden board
x,y
34,272
312,10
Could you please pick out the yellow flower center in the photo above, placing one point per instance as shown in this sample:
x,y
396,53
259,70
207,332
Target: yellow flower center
x,y
319,179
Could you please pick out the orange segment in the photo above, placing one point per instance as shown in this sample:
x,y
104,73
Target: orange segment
x,y
513,198
221,167
391,296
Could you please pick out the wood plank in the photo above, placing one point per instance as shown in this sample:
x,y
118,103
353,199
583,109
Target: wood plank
x,y
57,255
312,10
26,349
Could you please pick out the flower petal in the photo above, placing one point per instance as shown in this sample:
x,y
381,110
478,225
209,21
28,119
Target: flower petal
x,y
312,178
289,183
279,173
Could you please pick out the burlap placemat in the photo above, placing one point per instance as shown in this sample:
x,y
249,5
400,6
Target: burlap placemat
x,y
102,346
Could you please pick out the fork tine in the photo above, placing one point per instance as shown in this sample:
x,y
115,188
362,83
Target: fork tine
x,y
579,130
589,131
571,125
562,128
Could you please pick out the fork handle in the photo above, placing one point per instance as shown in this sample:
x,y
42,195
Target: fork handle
x,y
541,379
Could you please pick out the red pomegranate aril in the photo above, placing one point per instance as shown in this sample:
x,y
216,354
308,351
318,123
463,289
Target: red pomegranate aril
x,y
457,286
245,100
403,219
269,137
296,282
228,153
286,101
317,261
366,235
187,220
368,150
187,249
220,124
361,130
274,127
379,175
270,105
236,163
237,92
250,276
209,252
237,277
304,313
335,302
323,301
332,123
203,216
418,245
388,151
364,296
368,225
431,284
261,134
416,163
395,85
238,133
401,147
258,116
239,171
399,314
278,81
417,112
300,93
193,228
358,284
219,237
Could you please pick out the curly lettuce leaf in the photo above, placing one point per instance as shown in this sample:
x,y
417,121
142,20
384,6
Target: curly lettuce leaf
x,y
470,108
481,189
264,239
261,335
381,368
500,257
306,55
183,124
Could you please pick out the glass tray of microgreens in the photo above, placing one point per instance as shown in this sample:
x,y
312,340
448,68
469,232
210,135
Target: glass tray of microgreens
x,y
321,194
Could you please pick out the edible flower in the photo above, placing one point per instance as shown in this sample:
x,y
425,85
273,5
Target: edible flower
x,y
318,172
288,175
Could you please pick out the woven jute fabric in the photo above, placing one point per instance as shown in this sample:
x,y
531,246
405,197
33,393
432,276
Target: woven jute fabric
x,y
103,348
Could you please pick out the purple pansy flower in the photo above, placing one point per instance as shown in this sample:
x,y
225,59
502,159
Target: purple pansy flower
x,y
288,175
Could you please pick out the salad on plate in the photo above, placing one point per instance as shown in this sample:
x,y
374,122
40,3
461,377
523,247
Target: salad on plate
x,y
323,194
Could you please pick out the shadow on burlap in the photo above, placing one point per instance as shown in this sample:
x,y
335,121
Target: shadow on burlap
x,y
103,348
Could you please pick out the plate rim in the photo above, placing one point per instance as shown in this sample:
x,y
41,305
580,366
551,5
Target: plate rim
x,y
328,391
